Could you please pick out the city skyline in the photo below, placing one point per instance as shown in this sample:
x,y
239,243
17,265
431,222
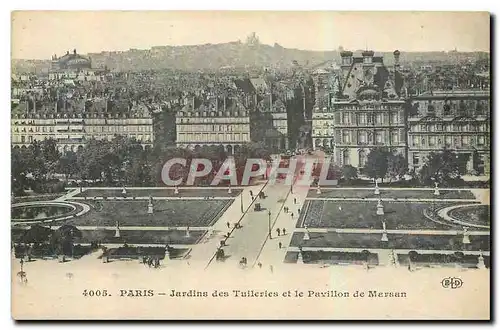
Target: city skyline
x,y
124,30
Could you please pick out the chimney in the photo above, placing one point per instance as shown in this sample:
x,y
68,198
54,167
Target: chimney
x,y
34,104
224,102
346,57
193,102
74,51
271,102
56,105
217,103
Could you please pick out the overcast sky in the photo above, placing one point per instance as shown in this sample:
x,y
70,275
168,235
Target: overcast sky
x,y
38,35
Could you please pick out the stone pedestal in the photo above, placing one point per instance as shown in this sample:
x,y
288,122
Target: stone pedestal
x,y
188,234
436,192
318,190
380,208
384,237
300,259
124,191
176,191
167,254
306,235
466,239
377,190
150,208
61,258
229,190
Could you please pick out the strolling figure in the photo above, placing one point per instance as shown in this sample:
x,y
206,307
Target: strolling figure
x,y
228,225
284,231
278,231
280,245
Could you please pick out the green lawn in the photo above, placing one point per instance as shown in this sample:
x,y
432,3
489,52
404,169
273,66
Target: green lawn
x,y
369,193
354,214
396,241
479,214
166,213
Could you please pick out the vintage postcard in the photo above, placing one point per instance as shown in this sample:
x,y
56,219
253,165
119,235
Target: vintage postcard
x,y
218,165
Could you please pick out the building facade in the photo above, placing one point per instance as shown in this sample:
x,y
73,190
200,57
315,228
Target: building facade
x,y
325,83
455,120
72,131
368,108
223,122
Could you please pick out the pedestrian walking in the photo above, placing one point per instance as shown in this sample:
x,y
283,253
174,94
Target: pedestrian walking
x,y
271,268
280,245
228,225
259,264
283,231
295,201
278,231
299,211
292,215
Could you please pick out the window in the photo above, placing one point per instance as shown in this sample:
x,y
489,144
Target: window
x,y
23,139
345,118
362,137
346,137
362,119
362,158
416,141
395,117
480,140
416,159
395,137
465,140
432,141
378,137
378,118
345,157
423,128
447,140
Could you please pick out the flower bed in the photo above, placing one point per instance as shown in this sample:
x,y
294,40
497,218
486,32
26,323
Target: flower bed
x,y
399,193
396,241
426,260
159,193
142,236
334,258
479,214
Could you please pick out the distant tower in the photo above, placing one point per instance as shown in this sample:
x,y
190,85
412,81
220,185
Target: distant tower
x,y
396,59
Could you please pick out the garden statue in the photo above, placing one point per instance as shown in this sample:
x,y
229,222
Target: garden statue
x,y
480,261
187,232
150,205
306,234
229,191
466,239
377,191
384,233
124,191
436,190
117,231
318,190
176,190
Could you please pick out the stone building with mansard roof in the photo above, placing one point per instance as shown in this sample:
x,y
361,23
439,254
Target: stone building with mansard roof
x,y
368,108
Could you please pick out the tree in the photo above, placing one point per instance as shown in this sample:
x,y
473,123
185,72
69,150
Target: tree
x,y
377,163
68,164
349,172
440,167
397,166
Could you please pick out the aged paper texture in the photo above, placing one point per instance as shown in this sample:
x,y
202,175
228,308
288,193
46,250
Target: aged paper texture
x,y
250,165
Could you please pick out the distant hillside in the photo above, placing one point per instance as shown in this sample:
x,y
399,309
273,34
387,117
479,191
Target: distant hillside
x,y
233,54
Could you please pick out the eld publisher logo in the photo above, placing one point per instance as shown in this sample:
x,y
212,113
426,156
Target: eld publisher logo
x,y
452,283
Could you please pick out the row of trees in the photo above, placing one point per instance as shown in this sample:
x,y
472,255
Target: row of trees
x,y
121,161
442,167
